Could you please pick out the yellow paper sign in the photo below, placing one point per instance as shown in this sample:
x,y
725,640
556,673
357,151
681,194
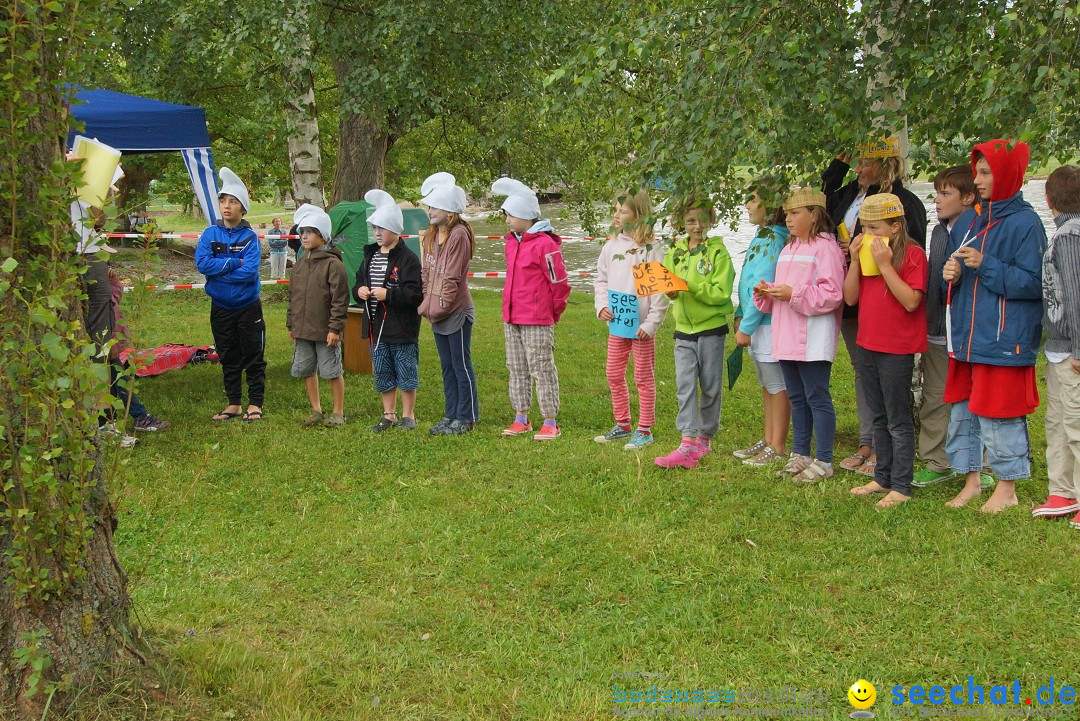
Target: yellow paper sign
x,y
99,168
651,278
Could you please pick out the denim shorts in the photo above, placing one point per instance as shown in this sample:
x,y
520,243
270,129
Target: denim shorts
x,y
312,355
1008,448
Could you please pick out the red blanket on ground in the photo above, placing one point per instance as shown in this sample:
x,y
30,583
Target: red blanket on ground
x,y
171,356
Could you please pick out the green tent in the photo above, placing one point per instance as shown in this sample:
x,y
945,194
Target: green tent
x,y
352,232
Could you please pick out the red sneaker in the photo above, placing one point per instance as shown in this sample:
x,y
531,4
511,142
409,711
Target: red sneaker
x,y
516,429
547,433
1055,507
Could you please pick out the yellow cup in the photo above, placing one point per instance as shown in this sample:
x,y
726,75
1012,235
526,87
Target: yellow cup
x,y
866,256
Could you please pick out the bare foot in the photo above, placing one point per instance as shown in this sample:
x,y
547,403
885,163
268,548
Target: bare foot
x,y
869,489
893,499
994,504
964,497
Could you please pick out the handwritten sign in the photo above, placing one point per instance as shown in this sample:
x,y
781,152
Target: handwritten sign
x,y
652,278
624,307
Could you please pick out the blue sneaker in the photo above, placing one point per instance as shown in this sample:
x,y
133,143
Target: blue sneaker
x,y
638,441
617,432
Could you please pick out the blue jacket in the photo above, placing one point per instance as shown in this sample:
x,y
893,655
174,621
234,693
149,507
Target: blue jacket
x,y
996,312
759,264
229,258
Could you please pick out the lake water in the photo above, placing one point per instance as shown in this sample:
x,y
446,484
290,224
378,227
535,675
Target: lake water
x,y
580,255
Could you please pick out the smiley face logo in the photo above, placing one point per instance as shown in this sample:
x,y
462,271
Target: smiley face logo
x,y
862,694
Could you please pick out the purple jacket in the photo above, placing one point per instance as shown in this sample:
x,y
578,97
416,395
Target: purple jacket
x,y
536,286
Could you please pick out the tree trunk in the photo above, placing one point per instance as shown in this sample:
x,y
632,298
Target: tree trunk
x,y
302,119
362,148
886,92
64,607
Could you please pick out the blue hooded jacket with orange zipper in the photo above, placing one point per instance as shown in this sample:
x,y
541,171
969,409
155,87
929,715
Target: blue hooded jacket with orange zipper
x,y
996,309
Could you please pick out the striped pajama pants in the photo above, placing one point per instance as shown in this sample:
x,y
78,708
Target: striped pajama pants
x,y
618,357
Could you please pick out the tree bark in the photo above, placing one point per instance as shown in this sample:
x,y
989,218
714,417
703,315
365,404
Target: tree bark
x,y
302,119
84,624
362,147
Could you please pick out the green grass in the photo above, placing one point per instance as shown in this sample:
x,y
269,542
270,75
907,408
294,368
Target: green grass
x,y
286,573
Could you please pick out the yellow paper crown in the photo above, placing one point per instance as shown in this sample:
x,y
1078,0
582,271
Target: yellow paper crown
x,y
881,207
804,198
884,148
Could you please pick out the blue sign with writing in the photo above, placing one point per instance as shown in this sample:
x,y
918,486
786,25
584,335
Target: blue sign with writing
x,y
624,306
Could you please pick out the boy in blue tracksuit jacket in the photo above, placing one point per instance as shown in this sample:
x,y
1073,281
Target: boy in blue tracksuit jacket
x,y
228,255
995,325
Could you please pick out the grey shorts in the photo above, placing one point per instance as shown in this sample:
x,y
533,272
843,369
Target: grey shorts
x,y
769,376
309,355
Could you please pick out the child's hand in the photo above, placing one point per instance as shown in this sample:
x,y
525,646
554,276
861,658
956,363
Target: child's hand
x,y
882,252
855,246
363,292
642,335
969,257
951,271
292,336
737,323
1075,365
331,339
379,293
606,314
742,340
672,294
780,292
761,288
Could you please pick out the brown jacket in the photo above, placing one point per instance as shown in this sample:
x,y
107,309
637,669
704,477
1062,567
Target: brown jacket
x,y
445,273
318,295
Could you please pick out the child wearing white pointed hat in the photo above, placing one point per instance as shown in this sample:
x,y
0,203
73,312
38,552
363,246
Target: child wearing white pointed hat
x,y
447,250
389,286
229,254
318,308
534,298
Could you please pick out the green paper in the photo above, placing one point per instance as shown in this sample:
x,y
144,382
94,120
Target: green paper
x,y
734,366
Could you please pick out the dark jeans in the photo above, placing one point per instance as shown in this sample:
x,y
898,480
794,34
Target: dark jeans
x,y
811,406
239,337
100,320
887,384
458,377
120,390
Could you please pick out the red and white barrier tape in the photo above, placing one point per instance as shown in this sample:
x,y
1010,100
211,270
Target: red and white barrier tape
x,y
200,286
195,236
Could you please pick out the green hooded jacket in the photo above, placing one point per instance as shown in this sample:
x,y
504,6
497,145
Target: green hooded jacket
x,y
709,276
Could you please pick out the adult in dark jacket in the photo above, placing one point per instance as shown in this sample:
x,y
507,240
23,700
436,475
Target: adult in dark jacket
x,y
878,169
995,325
390,287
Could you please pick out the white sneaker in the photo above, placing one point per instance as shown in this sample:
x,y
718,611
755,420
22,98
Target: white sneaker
x,y
110,429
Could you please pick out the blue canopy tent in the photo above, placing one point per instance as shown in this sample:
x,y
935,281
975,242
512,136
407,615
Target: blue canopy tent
x,y
141,125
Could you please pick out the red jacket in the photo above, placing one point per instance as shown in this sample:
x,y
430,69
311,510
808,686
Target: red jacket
x,y
536,284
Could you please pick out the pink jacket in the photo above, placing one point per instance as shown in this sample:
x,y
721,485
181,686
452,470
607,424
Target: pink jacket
x,y
806,327
536,286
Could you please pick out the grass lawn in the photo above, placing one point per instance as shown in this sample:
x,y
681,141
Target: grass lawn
x,y
293,574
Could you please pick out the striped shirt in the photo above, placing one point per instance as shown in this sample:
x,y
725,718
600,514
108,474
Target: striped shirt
x,y
377,273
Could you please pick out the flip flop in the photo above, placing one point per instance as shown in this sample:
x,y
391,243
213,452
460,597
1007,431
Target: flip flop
x,y
252,416
225,416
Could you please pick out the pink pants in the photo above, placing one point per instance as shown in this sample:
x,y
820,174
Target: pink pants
x,y
618,357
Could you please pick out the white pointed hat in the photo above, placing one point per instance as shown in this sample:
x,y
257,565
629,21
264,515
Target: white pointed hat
x,y
232,185
310,216
521,201
387,214
441,191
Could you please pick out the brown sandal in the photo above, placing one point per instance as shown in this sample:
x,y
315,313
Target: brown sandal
x,y
858,458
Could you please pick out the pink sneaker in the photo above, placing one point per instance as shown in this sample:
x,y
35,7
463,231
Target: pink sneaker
x,y
516,429
686,455
1055,507
705,444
